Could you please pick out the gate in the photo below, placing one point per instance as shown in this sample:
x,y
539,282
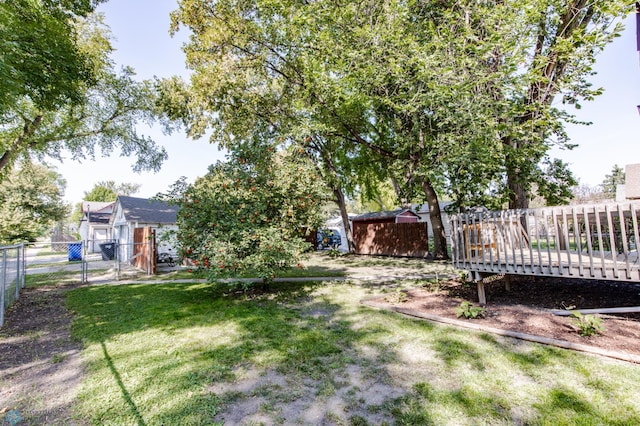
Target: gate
x,y
11,276
54,262
145,252
69,262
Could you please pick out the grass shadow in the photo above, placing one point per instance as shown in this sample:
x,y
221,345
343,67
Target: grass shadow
x,y
125,393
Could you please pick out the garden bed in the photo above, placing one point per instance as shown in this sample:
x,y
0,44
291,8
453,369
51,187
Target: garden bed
x,y
527,307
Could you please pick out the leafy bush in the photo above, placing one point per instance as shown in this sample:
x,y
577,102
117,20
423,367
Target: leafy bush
x,y
396,297
250,216
588,325
467,310
334,252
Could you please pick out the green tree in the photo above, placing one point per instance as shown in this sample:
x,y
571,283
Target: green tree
x,y
30,202
39,55
247,92
560,41
109,190
441,97
247,216
104,191
612,180
60,90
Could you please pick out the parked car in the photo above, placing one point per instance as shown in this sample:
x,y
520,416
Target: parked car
x,y
328,238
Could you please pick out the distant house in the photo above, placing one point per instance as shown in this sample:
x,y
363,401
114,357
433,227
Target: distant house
x,y
130,213
423,211
94,226
630,190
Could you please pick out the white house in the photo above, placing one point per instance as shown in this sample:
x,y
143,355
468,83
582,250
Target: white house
x,y
422,210
335,224
630,190
131,212
94,226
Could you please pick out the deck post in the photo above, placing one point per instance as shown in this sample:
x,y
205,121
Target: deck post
x,y
482,298
478,279
507,282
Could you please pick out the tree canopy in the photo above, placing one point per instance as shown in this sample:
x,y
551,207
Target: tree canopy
x,y
612,180
40,57
109,190
442,98
60,92
30,202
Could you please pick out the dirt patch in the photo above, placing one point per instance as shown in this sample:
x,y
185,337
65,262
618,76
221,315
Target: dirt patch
x,y
40,367
526,307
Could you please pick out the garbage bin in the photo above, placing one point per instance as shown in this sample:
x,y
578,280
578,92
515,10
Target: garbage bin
x,y
75,251
108,250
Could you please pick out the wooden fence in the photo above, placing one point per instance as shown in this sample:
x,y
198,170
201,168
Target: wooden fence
x,y
590,241
391,239
144,249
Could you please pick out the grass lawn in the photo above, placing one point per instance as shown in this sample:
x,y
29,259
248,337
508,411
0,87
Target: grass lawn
x,y
309,353
313,268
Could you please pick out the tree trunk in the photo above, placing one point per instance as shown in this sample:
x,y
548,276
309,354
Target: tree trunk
x,y
342,205
518,195
435,215
518,192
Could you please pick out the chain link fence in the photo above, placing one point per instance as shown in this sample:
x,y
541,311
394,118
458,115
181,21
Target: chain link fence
x,y
12,276
83,262
69,262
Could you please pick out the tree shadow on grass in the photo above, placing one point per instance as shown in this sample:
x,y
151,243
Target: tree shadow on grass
x,y
309,345
563,406
123,389
264,331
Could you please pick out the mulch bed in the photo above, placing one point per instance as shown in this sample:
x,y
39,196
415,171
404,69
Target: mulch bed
x,y
526,307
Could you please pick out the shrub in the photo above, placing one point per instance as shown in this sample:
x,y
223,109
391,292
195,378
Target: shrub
x,y
250,217
396,297
467,310
588,325
334,252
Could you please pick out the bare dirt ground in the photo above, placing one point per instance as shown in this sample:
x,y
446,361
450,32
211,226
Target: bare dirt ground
x,y
40,368
526,307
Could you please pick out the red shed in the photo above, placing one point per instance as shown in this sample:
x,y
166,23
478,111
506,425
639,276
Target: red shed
x,y
395,216
391,233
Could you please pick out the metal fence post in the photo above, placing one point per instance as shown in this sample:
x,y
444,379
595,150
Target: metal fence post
x,y
116,260
17,272
23,265
83,264
3,280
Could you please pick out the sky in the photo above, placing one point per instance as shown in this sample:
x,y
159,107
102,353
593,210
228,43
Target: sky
x,y
140,30
141,38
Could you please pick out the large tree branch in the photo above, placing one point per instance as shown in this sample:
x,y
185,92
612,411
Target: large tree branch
x,y
28,130
570,22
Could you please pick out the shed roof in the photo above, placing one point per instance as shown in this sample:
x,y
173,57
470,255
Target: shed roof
x,y
382,215
146,210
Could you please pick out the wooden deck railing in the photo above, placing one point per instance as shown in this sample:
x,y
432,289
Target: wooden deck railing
x,y
589,241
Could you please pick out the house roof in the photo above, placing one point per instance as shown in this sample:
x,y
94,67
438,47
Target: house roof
x,y
382,215
97,206
145,210
98,218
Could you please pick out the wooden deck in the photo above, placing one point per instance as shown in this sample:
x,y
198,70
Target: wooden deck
x,y
587,242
